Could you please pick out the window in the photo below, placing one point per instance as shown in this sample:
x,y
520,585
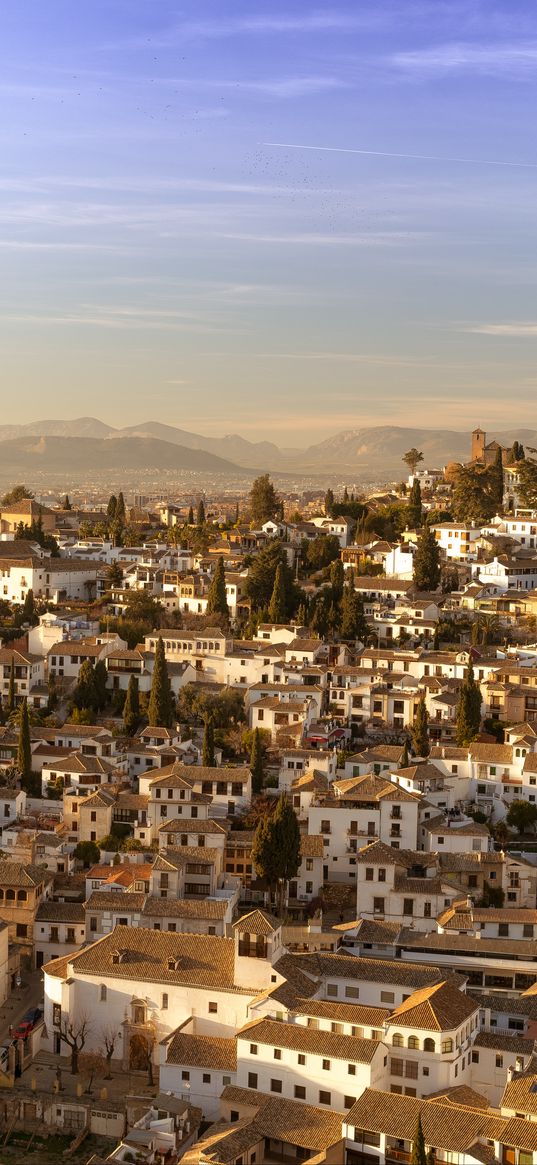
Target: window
x,y
503,930
447,1046
185,1076
277,1053
213,1008
275,1086
103,993
253,1049
164,1004
348,1101
351,1069
252,1080
397,1066
22,930
352,993
301,1058
387,997
382,875
326,1065
332,990
475,1057
93,924
408,906
369,872
411,1069
206,1078
398,1040
499,1061
429,1045
325,1097
299,1092
413,1043
378,906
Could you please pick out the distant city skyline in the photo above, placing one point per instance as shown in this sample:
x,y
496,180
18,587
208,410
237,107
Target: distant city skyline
x,y
280,220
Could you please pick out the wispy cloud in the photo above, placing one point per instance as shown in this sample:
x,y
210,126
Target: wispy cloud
x,y
313,239
511,60
390,154
30,245
518,329
119,318
266,24
351,358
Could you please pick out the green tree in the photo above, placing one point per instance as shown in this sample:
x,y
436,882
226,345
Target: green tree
x,y
412,459
427,562
85,694
404,762
217,598
262,575
24,749
474,497
114,575
88,853
200,513
67,504
28,611
329,502
522,816
319,620
420,730
276,850
353,622
160,710
337,580
100,679
264,502
321,551
257,768
111,508
278,604
414,505
419,1151
190,518
468,709
527,488
142,607
207,757
19,493
493,896
496,471
131,707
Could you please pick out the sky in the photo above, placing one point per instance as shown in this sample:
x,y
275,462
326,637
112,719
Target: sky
x,y
277,219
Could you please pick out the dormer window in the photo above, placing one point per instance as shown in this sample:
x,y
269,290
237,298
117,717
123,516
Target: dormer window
x,y
174,963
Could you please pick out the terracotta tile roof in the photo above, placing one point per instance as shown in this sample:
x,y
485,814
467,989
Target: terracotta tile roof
x,y
461,1094
298,1037
192,825
214,1052
151,956
438,1008
445,1126
358,1014
257,922
504,1042
372,788
311,845
466,943
107,900
492,753
289,1120
60,912
520,1094
17,874
192,908
322,965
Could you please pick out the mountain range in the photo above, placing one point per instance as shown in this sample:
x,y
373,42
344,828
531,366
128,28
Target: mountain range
x,y
87,443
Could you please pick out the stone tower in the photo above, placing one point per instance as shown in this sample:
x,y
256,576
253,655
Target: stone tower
x,y
479,441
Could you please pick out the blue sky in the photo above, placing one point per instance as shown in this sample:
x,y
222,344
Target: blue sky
x,y
170,250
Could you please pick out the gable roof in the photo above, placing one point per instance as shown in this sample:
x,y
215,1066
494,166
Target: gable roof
x,y
438,1008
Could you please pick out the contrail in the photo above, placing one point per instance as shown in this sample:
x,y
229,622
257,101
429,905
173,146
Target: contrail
x,y
415,157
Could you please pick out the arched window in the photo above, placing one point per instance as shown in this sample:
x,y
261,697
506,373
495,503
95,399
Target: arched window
x,y
22,896
429,1045
10,895
447,1045
413,1042
398,1041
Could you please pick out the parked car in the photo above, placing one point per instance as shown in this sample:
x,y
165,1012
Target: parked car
x,y
32,1015
23,1029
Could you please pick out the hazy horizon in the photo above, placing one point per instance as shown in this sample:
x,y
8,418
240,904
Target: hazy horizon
x,y
278,220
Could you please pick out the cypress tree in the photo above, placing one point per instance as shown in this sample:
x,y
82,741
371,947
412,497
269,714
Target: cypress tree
x,y
200,515
190,519
24,751
353,621
427,562
403,763
100,677
256,762
131,707
217,598
85,694
12,690
160,710
207,756
420,730
329,503
419,1152
111,507
497,478
337,579
278,605
468,709
67,504
120,514
28,610
414,504
276,849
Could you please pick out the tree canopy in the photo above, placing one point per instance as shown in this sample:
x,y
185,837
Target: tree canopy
x,y
264,502
427,562
276,849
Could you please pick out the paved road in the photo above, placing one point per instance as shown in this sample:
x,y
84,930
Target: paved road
x,y
29,994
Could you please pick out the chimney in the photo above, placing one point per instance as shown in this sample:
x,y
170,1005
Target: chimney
x,y
509,1074
519,1064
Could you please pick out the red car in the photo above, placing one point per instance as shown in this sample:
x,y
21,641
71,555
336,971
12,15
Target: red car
x,y
23,1029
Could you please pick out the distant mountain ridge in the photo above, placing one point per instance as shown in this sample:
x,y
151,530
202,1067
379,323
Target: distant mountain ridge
x,y
369,451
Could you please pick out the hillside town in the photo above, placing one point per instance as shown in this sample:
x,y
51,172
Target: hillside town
x,y
268,810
